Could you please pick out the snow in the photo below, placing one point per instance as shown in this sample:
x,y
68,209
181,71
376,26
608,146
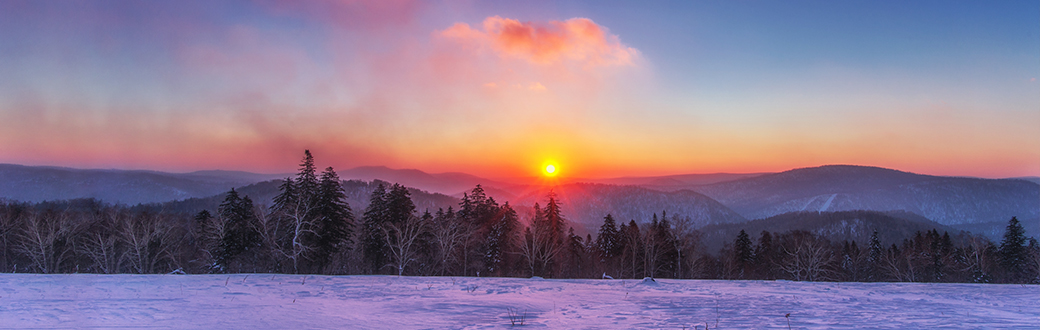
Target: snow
x,y
260,301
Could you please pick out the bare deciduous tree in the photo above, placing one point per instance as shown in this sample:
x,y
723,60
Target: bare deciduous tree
x,y
653,249
148,240
298,227
46,238
448,236
100,244
684,239
402,239
8,214
976,260
807,257
539,250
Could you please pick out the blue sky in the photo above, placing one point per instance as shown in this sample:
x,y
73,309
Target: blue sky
x,y
656,88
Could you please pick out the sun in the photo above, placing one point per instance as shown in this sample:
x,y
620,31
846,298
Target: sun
x,y
550,170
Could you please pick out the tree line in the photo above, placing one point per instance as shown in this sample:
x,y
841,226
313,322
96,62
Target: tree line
x,y
310,228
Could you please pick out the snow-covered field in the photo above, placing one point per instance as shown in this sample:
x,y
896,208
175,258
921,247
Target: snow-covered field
x,y
259,301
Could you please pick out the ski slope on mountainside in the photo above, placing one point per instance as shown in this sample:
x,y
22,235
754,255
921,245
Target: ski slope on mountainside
x,y
264,301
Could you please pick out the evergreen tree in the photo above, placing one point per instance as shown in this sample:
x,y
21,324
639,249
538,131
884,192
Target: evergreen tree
x,y
659,248
1033,264
207,235
767,255
477,209
607,240
1013,252
633,247
386,209
874,259
307,178
742,253
240,234
312,218
554,218
576,256
543,244
202,218
335,219
487,225
399,205
551,229
501,237
373,244
850,261
286,198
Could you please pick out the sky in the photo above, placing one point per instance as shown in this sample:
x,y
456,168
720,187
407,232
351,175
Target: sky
x,y
501,88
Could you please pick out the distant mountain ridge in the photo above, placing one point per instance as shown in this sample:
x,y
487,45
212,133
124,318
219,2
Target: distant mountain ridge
x,y
676,182
892,227
946,200
356,191
40,183
585,205
451,183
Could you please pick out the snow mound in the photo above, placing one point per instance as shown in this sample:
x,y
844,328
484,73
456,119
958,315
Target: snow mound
x,y
649,281
537,278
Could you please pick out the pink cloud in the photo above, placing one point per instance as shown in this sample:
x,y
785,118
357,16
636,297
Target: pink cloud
x,y
577,40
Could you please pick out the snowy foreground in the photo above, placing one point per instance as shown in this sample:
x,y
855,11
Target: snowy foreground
x,y
258,301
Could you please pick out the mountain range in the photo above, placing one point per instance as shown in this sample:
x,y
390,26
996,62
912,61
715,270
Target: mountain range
x,y
980,205
946,200
892,227
585,205
40,183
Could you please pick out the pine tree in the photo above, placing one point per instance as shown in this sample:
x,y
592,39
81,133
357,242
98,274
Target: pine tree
x,y
388,211
849,261
767,255
575,255
202,218
554,218
286,198
373,244
633,246
607,240
550,228
307,178
240,234
208,232
742,253
477,208
334,217
302,214
1013,252
874,258
659,247
1033,269
500,239
399,205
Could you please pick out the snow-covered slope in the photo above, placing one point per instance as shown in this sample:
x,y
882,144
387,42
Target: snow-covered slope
x,y
265,301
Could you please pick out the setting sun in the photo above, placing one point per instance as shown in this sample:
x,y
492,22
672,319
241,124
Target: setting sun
x,y
550,170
